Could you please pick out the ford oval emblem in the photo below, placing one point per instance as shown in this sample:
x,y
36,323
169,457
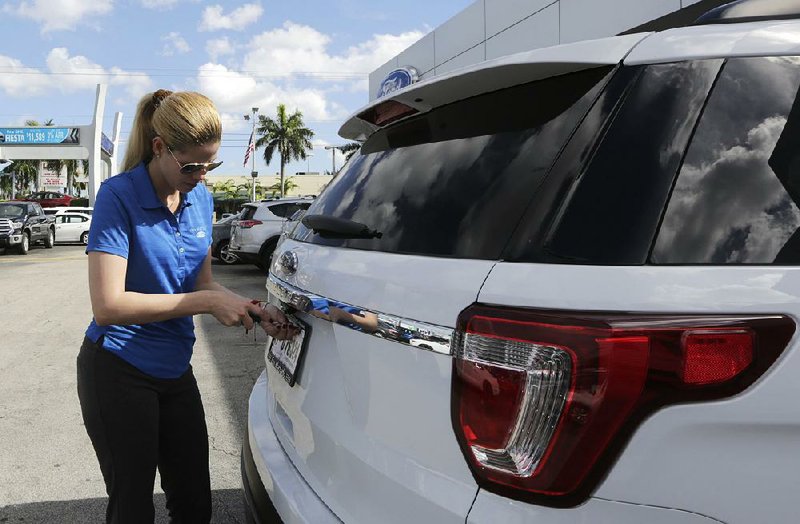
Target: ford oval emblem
x,y
398,79
287,263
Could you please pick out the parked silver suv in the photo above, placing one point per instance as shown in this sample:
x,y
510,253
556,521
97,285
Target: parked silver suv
x,y
255,234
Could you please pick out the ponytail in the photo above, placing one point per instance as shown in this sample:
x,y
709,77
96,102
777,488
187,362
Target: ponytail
x,y
182,119
140,142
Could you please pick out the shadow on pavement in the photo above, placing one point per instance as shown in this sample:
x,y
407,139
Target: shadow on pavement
x,y
228,508
238,358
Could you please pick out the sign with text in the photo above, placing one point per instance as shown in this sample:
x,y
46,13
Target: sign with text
x,y
54,181
35,136
106,145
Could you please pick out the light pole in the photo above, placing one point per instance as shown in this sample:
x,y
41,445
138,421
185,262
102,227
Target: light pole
x,y
253,173
333,159
308,162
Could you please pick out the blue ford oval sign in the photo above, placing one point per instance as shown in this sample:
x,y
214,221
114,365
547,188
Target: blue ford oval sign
x,y
398,79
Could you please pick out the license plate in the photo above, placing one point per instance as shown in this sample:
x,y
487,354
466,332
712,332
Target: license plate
x,y
286,355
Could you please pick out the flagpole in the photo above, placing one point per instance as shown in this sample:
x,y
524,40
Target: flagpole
x,y
251,150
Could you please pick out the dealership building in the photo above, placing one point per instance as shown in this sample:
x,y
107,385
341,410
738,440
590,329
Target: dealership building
x,y
489,29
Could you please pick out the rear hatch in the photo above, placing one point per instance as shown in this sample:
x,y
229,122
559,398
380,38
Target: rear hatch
x,y
368,420
681,260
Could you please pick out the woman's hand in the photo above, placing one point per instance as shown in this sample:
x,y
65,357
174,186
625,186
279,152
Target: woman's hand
x,y
231,309
275,323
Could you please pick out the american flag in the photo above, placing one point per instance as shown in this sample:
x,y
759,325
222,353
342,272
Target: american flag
x,y
250,149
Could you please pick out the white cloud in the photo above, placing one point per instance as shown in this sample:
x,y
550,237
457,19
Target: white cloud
x,y
61,15
296,48
67,74
270,73
218,47
174,43
78,73
161,5
237,20
20,81
234,92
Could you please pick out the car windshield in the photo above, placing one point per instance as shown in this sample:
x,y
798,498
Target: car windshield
x,y
12,210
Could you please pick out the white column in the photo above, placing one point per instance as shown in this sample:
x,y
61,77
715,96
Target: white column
x,y
114,161
96,130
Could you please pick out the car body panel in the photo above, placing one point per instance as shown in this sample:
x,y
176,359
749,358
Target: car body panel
x,y
690,446
291,495
351,418
497,74
490,509
779,38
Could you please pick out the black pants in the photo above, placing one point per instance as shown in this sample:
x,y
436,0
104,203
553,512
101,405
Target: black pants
x,y
137,423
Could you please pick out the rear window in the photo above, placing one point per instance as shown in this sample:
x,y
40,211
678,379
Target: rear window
x,y
248,212
737,196
454,182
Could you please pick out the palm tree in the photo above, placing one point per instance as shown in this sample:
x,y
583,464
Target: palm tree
x,y
25,172
72,170
349,149
287,135
287,186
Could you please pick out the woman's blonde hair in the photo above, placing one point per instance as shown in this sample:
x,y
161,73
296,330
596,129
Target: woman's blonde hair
x,y
182,119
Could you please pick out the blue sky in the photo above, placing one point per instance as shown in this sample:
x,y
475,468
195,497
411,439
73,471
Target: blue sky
x,y
312,55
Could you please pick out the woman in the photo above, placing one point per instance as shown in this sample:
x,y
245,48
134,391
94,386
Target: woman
x,y
149,272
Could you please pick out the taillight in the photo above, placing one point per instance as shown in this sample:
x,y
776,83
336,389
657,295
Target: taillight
x,y
387,112
543,401
246,224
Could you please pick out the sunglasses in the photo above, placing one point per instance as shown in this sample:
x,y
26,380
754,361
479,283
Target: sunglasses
x,y
191,168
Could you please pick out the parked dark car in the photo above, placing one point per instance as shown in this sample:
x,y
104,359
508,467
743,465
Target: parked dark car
x,y
24,223
220,238
49,198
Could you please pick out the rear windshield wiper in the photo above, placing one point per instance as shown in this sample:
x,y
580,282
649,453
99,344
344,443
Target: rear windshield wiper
x,y
334,227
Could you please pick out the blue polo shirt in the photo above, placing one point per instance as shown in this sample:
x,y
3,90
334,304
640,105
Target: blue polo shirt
x,y
165,252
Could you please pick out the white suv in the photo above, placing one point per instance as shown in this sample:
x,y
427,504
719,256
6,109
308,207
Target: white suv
x,y
255,234
600,244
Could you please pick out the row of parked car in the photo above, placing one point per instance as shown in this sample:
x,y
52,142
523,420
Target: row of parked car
x,y
26,223
252,234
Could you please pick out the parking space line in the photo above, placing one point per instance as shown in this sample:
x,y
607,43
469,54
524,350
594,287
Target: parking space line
x,y
40,259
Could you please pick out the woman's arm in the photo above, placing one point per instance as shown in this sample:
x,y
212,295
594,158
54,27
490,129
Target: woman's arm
x,y
273,321
112,304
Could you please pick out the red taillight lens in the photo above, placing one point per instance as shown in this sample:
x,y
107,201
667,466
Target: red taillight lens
x,y
246,224
712,356
387,112
539,398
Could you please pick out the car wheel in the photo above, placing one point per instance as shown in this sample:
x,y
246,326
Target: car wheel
x,y
85,238
225,254
265,255
51,239
25,245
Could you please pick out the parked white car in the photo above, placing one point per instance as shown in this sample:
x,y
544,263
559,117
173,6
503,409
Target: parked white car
x,y
60,210
601,241
255,234
73,227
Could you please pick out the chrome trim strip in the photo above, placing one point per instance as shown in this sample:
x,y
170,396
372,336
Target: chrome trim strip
x,y
413,333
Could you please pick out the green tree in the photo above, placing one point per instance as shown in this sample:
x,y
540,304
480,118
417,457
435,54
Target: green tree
x,y
285,134
228,188
349,149
287,186
25,172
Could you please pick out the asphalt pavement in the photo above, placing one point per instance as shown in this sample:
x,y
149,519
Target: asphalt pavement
x,y
48,470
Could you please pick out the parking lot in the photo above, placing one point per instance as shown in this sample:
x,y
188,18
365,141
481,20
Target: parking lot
x,y
48,467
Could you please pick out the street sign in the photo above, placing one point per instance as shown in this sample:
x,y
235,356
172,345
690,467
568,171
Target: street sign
x,y
27,136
